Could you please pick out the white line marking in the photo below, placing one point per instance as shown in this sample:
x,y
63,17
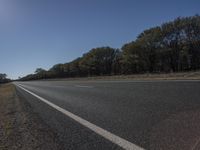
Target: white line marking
x,y
83,86
104,133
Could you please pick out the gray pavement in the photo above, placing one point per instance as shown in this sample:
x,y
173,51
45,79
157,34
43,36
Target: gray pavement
x,y
150,114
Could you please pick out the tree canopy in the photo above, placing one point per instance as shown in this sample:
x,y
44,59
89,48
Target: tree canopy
x,y
3,78
172,47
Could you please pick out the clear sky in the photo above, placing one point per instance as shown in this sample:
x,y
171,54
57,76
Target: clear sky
x,y
41,33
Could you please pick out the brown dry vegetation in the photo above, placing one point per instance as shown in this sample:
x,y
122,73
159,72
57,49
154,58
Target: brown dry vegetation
x,y
20,128
193,75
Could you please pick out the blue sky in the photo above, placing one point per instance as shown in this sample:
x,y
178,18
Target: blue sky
x,y
41,33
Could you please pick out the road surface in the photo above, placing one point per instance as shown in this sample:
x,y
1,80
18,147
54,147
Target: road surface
x,y
145,114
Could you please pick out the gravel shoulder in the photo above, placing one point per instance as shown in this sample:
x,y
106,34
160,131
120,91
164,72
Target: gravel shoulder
x,y
20,127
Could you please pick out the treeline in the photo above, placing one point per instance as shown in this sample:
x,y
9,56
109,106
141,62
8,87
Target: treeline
x,y
172,47
3,78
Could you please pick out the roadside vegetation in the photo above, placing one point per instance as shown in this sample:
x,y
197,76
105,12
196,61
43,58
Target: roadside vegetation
x,y
3,78
172,47
20,127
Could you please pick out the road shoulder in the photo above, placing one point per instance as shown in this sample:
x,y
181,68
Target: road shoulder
x,y
20,127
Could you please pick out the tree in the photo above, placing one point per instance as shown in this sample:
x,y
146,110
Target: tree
x,y
3,76
39,70
174,46
98,61
57,70
117,63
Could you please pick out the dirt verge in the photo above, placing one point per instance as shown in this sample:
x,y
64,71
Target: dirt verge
x,y
20,127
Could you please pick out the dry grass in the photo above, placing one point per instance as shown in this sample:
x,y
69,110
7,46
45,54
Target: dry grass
x,y
6,91
20,127
147,76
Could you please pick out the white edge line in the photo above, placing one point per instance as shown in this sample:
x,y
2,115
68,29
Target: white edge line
x,y
104,133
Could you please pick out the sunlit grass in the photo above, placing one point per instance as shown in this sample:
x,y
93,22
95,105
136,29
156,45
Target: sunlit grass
x,y
6,90
6,95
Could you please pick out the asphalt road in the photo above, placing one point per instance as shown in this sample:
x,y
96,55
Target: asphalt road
x,y
149,114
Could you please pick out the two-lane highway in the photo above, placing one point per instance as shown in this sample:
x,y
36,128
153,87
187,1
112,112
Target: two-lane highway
x,y
138,114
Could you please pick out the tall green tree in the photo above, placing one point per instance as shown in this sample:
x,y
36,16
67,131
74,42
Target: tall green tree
x,y
172,47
